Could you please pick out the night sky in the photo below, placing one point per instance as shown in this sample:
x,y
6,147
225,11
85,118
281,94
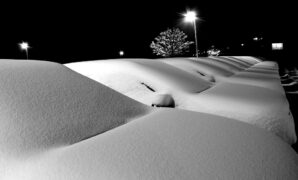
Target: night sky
x,y
80,31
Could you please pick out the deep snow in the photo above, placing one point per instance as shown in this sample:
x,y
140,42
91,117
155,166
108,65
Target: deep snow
x,y
58,124
242,88
46,105
167,144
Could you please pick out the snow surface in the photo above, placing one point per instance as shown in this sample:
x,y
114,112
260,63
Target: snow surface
x,y
132,77
242,88
57,124
264,74
46,105
166,144
255,105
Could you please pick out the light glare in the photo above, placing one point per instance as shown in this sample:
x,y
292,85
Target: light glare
x,y
24,46
277,46
190,16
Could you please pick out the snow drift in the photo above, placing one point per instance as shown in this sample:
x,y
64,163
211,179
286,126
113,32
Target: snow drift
x,y
141,79
168,144
58,124
46,105
242,88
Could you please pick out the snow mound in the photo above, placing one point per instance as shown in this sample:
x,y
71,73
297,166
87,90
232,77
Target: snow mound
x,y
168,144
235,64
207,68
245,88
264,74
58,124
155,72
248,59
218,68
46,105
255,105
141,79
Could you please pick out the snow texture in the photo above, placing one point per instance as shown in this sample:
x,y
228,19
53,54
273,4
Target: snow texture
x,y
167,144
243,88
46,105
141,79
57,124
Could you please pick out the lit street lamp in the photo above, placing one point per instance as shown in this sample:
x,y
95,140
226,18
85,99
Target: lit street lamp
x,y
121,53
191,16
24,46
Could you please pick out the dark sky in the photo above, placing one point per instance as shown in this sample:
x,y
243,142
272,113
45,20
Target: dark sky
x,y
76,31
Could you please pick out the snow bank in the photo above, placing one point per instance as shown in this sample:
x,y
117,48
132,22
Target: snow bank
x,y
234,64
159,74
218,68
46,105
264,74
141,79
254,95
248,59
168,144
57,124
210,70
255,105
245,88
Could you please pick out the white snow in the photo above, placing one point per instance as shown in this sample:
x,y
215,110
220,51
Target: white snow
x,y
167,144
206,68
58,124
255,105
45,105
131,76
244,88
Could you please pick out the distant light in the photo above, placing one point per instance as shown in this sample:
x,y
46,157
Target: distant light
x,y
190,16
242,44
121,53
255,38
24,46
277,46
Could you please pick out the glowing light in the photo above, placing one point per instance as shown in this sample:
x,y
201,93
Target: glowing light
x,y
277,46
24,46
242,44
190,16
121,53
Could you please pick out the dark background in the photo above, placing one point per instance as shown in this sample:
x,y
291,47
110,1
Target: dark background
x,y
78,31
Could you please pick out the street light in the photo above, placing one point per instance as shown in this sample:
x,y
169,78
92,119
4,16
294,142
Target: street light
x,y
24,46
191,16
121,53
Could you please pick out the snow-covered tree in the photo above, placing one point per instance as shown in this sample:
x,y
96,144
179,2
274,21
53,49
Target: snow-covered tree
x,y
171,42
213,51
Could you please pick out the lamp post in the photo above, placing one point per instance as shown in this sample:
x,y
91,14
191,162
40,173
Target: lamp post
x,y
191,16
24,46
